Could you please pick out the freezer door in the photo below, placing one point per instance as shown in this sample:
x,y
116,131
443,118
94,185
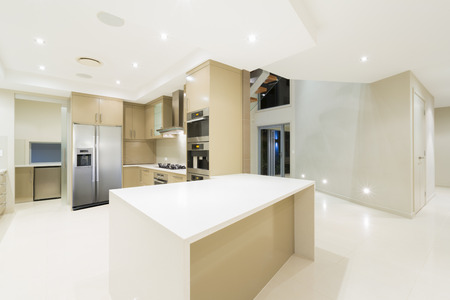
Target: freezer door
x,y
83,176
109,158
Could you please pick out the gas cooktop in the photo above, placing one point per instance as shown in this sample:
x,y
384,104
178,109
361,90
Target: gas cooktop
x,y
171,166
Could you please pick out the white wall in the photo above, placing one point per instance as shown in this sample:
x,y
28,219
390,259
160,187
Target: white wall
x,y
442,150
360,135
35,121
171,150
419,88
7,144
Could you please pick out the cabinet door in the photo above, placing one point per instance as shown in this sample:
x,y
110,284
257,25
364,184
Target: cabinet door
x,y
131,177
198,89
138,123
157,109
149,122
84,110
110,112
173,178
24,184
147,177
128,122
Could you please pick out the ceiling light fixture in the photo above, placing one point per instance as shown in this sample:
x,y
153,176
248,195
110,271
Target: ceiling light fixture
x,y
164,36
366,191
189,78
363,59
324,181
117,81
303,176
135,65
90,62
109,19
42,68
252,38
39,41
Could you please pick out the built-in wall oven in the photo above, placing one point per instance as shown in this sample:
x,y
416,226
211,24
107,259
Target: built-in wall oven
x,y
198,126
160,178
198,158
198,145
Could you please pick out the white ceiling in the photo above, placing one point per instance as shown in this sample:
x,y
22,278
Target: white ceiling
x,y
298,39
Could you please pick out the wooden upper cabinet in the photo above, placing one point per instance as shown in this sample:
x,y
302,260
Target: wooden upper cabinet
x,y
198,88
149,121
158,116
93,110
110,112
134,122
84,110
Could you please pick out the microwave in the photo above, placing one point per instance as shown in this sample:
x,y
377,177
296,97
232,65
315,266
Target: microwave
x,y
198,126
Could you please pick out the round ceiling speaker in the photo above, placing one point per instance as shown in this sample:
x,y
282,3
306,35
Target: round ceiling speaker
x,y
110,19
90,62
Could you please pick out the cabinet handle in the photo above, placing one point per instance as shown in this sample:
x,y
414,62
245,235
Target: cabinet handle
x,y
131,134
100,118
134,133
96,117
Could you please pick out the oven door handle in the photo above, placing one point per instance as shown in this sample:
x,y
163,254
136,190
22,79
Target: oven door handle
x,y
159,181
197,119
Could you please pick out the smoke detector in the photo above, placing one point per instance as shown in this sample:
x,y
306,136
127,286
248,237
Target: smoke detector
x,y
90,62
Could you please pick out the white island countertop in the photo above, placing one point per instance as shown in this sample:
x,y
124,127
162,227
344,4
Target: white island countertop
x,y
193,210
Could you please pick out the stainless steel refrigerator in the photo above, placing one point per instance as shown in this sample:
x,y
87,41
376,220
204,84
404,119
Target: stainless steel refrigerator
x,y
97,164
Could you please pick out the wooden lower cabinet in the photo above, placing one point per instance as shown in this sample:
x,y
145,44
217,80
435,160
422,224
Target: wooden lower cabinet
x,y
146,177
131,177
137,176
174,178
24,184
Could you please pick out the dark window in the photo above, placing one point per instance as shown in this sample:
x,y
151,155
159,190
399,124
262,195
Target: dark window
x,y
45,152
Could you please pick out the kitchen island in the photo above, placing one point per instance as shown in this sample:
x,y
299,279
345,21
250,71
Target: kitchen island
x,y
222,238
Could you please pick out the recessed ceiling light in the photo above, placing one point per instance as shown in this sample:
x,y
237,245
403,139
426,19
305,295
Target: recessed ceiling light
x,y
190,78
135,65
303,176
324,181
83,75
42,68
164,36
366,191
90,62
109,19
39,41
117,81
252,38
363,58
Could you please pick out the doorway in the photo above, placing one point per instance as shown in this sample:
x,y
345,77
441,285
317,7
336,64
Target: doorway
x,y
274,149
419,153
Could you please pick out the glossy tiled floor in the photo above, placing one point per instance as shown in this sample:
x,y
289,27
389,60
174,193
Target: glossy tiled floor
x,y
50,252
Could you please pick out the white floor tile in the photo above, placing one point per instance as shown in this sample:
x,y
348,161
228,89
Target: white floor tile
x,y
48,251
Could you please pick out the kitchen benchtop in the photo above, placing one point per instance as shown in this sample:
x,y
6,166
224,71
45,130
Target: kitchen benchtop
x,y
39,165
156,168
193,210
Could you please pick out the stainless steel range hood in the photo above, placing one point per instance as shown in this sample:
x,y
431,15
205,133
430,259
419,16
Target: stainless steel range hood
x,y
177,115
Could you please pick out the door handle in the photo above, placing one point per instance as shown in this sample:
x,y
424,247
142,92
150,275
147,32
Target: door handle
x,y
421,157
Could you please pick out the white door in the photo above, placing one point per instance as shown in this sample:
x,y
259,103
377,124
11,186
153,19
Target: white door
x,y
419,153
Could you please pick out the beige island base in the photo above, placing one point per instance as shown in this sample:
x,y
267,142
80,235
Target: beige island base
x,y
222,238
